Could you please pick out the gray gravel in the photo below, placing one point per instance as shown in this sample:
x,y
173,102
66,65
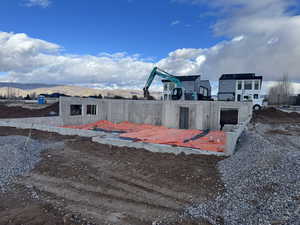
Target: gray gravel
x,y
262,184
18,155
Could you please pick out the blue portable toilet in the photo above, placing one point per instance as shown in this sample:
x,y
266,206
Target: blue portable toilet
x,y
41,99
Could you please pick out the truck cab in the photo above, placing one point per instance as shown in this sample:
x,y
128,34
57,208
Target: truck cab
x,y
256,99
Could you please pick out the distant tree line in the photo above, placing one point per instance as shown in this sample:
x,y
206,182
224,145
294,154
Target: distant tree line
x,y
283,93
31,96
17,97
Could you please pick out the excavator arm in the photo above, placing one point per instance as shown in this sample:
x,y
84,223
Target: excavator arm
x,y
158,72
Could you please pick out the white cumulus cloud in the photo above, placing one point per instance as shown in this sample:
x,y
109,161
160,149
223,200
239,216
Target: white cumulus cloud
x,y
261,37
41,3
25,59
175,22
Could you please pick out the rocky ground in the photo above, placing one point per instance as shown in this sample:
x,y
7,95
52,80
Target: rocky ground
x,y
18,155
48,178
262,179
262,182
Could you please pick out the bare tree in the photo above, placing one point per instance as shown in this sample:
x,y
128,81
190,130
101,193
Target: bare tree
x,y
33,95
280,94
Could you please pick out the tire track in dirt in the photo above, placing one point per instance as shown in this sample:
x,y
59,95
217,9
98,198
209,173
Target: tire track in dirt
x,y
86,195
135,185
145,188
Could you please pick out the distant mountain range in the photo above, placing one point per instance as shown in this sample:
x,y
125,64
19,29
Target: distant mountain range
x,y
26,86
19,89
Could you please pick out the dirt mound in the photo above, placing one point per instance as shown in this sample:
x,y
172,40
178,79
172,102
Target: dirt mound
x,y
19,112
273,115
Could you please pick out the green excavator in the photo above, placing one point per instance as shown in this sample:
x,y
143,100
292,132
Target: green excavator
x,y
178,93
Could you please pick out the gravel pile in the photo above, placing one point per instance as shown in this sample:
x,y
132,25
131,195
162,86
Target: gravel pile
x,y
262,185
19,154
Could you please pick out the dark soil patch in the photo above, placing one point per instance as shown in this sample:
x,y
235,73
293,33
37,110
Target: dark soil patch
x,y
36,134
273,115
277,131
18,207
19,112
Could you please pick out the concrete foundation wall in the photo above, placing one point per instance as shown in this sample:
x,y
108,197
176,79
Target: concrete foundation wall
x,y
116,111
233,133
202,114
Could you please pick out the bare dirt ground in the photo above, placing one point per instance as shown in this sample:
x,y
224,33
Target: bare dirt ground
x,y
275,116
90,183
20,112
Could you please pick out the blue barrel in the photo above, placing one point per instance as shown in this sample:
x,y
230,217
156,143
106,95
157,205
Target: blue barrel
x,y
41,99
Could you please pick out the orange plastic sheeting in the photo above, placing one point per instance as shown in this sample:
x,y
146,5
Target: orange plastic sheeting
x,y
134,127
162,135
109,126
213,141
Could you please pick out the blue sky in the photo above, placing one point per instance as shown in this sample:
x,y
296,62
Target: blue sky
x,y
90,27
116,43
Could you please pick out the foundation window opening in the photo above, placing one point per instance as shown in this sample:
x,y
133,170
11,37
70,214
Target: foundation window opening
x,y
228,116
91,109
76,110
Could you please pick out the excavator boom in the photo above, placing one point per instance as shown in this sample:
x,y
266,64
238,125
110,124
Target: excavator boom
x,y
163,74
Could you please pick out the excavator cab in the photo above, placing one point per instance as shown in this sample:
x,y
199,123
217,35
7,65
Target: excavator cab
x,y
177,93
